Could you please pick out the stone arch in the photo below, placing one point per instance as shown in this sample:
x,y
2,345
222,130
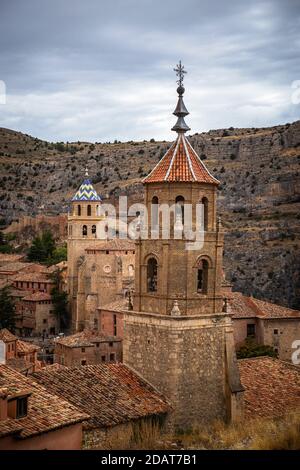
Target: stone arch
x,y
203,265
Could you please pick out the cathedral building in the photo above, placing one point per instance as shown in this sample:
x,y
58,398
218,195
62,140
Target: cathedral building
x,y
99,270
178,335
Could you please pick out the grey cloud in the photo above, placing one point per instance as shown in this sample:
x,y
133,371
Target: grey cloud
x,y
101,70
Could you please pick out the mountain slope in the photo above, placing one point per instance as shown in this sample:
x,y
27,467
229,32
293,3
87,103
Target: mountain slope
x,y
259,198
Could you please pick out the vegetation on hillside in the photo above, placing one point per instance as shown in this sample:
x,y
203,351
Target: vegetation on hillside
x,y
44,250
8,314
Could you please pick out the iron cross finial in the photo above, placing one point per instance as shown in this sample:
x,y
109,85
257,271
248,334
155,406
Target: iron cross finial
x,y
180,73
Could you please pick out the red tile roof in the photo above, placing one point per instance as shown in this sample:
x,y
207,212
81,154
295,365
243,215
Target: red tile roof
x,y
6,335
271,386
180,164
23,347
111,393
248,307
37,296
85,338
46,412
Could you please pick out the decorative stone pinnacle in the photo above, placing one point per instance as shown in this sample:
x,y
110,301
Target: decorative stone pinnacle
x,y
86,171
175,312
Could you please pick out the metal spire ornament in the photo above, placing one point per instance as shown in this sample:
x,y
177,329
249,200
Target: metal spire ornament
x,y
180,110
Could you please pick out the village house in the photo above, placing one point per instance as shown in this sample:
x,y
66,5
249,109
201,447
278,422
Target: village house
x,y
267,323
36,315
32,418
18,354
87,347
118,401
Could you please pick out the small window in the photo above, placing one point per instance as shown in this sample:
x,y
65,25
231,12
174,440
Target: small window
x,y
111,344
250,329
103,358
83,362
112,357
93,228
79,210
21,407
84,230
107,252
44,320
275,332
82,349
89,210
97,345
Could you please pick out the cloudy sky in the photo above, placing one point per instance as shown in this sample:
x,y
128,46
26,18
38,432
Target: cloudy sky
x,y
102,70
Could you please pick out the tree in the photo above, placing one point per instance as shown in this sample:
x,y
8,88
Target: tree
x,y
42,248
8,314
59,299
251,349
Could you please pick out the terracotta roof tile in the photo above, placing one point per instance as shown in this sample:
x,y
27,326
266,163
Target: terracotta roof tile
x,y
37,296
10,426
23,347
271,386
6,335
111,393
117,305
85,338
248,307
46,412
180,164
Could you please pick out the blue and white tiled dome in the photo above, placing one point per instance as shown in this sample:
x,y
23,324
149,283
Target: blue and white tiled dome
x,y
86,192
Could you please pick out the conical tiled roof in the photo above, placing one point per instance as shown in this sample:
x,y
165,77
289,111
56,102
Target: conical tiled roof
x,y
86,192
180,164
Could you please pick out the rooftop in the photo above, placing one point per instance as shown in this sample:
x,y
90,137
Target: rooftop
x,y
6,335
23,347
85,338
111,393
46,412
86,192
37,296
249,307
180,164
271,386
6,258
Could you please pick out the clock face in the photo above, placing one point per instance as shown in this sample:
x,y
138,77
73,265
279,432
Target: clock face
x,y
107,268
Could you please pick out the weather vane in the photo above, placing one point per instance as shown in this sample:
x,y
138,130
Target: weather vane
x,y
180,73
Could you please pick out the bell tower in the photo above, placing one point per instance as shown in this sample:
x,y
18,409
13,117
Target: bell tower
x,y
84,215
178,335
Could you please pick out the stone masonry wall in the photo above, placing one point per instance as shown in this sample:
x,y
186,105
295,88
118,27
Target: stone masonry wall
x,y
184,358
